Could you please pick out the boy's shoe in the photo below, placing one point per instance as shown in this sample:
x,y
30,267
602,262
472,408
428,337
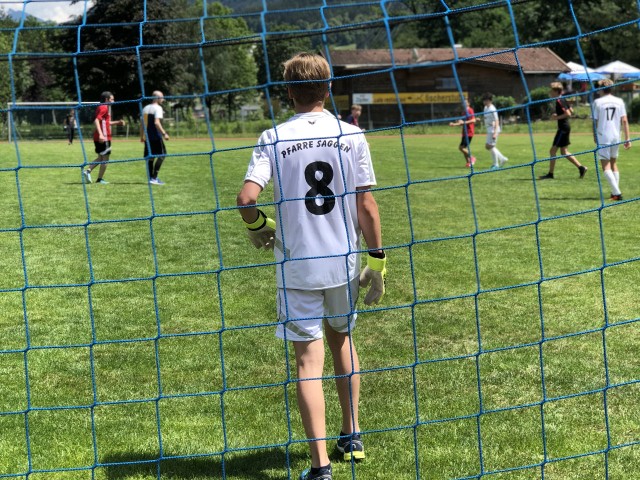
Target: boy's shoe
x,y
616,198
350,446
102,182
87,175
494,167
548,176
156,181
473,160
582,169
324,474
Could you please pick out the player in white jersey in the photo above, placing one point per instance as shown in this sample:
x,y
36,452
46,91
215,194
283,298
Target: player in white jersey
x,y
492,123
609,113
322,174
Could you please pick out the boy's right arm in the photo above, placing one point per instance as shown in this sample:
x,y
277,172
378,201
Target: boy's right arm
x,y
260,228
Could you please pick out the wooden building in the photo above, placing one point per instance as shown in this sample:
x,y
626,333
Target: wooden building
x,y
430,81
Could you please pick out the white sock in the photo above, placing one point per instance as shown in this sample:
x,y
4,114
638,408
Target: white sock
x,y
608,174
494,155
617,175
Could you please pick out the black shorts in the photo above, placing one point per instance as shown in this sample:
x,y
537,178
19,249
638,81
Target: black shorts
x,y
103,148
157,148
465,141
562,138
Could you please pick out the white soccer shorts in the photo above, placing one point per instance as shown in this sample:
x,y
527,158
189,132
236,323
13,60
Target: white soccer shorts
x,y
608,152
490,139
301,312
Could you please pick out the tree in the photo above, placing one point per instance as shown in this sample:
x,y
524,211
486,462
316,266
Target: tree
x,y
114,58
215,60
279,49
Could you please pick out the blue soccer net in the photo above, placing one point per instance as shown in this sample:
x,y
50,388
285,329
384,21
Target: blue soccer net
x,y
137,321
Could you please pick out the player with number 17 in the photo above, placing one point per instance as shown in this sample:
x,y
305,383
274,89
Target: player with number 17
x,y
322,174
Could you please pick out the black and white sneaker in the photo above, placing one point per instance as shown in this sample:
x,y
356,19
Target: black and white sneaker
x,y
582,169
324,474
350,446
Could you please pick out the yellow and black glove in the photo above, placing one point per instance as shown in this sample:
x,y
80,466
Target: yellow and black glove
x,y
374,274
262,232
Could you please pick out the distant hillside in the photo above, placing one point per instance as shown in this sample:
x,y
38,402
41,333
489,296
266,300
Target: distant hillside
x,y
16,15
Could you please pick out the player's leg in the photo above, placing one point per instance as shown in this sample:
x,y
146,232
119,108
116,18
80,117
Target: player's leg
x,y
552,163
606,157
340,322
156,168
309,365
159,151
616,175
346,366
490,146
306,335
103,169
464,148
150,169
564,143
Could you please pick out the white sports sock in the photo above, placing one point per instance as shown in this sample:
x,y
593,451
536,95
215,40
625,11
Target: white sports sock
x,y
494,155
608,174
617,175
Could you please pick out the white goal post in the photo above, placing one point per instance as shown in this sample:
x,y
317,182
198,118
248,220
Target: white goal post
x,y
51,113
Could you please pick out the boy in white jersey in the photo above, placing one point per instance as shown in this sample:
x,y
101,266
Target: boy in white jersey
x,y
322,173
492,123
609,113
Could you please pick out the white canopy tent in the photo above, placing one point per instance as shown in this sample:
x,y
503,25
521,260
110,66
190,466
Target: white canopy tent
x,y
617,69
579,68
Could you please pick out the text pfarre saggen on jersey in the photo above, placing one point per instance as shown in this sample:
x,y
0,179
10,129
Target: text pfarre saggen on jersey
x,y
323,143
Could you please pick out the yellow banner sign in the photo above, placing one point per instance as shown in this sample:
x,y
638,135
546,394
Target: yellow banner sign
x,y
417,97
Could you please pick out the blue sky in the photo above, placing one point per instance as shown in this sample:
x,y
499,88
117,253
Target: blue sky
x,y
57,11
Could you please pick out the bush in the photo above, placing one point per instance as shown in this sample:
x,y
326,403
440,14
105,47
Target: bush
x,y
505,104
541,109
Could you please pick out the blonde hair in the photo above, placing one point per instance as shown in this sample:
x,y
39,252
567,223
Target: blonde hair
x,y
307,67
556,86
606,83
355,106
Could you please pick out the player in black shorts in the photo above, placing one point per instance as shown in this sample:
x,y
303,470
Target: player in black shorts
x,y
561,140
153,135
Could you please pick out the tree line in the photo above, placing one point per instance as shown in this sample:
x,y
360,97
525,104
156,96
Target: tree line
x,y
226,60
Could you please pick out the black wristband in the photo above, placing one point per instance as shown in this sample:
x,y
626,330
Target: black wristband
x,y
377,254
262,216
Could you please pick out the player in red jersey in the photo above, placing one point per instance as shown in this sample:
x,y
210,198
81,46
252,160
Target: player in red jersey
x,y
468,131
102,137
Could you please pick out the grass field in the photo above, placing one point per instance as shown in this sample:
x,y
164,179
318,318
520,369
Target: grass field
x,y
136,323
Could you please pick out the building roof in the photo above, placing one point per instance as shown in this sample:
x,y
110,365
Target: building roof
x,y
531,60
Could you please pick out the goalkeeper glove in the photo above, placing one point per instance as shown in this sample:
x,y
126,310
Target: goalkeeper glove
x,y
374,274
262,232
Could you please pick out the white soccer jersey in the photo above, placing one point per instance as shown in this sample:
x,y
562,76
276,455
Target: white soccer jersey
x,y
316,162
608,112
149,115
490,116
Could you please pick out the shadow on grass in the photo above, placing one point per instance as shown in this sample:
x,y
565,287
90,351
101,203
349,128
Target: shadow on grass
x,y
258,464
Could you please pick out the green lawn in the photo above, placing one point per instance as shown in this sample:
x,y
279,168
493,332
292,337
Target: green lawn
x,y
137,337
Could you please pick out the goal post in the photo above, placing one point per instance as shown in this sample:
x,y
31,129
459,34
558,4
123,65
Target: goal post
x,y
43,120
